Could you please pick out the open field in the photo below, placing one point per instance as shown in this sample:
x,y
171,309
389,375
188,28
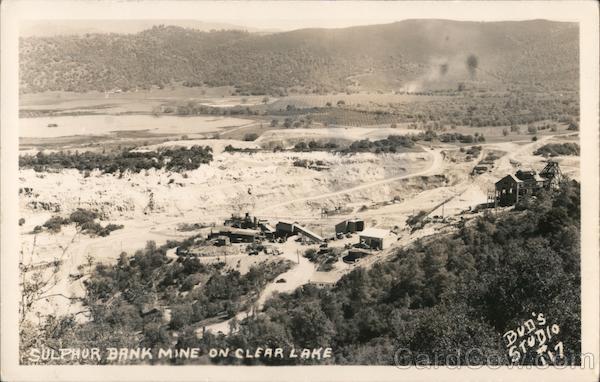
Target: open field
x,y
141,101
372,99
105,124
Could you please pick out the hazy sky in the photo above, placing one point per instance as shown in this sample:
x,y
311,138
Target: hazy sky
x,y
253,15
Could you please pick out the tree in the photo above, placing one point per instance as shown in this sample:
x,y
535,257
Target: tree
x,y
250,137
472,64
310,327
181,315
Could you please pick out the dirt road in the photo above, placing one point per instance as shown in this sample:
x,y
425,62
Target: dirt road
x,y
297,276
436,165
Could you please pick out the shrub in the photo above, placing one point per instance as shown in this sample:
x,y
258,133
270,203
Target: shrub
x,y
310,254
250,137
173,159
81,216
55,223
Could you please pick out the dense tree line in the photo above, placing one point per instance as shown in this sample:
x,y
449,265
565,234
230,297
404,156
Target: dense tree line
x,y
391,144
313,60
172,159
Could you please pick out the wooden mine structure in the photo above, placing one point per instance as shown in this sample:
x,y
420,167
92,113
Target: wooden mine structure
x,y
512,188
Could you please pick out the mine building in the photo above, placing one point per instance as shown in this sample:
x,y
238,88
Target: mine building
x,y
321,280
551,172
354,255
236,235
246,222
524,183
350,226
376,238
286,229
267,229
508,190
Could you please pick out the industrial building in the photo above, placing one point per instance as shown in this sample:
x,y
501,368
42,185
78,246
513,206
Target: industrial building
x,y
246,222
251,222
235,235
376,238
286,228
512,188
350,226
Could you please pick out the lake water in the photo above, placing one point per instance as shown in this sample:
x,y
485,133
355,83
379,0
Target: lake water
x,y
105,124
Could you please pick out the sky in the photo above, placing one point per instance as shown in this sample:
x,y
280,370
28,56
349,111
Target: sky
x,y
260,16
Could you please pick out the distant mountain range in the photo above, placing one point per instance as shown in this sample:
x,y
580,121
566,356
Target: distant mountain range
x,y
408,55
49,28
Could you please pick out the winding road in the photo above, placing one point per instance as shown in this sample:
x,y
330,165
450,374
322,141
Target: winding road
x,y
436,165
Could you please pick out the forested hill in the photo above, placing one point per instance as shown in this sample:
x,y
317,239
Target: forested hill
x,y
411,53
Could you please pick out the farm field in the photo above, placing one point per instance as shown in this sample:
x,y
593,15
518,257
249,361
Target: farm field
x,y
132,102
353,99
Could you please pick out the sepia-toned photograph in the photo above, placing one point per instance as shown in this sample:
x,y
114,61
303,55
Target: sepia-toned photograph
x,y
292,189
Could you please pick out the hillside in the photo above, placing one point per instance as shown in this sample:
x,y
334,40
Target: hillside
x,y
409,55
